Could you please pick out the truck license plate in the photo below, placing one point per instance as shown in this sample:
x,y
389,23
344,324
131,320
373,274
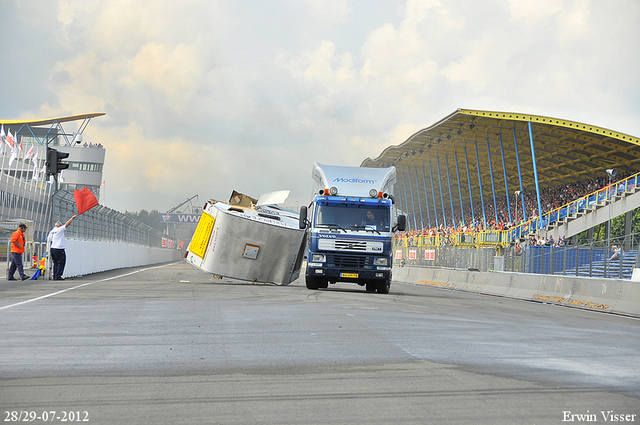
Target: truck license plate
x,y
350,275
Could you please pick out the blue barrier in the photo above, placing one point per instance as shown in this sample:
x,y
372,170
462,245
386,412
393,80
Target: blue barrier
x,y
557,259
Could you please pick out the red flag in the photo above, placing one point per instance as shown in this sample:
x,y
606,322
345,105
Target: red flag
x,y
9,140
85,200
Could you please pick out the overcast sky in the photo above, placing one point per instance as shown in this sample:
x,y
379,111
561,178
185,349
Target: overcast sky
x,y
205,96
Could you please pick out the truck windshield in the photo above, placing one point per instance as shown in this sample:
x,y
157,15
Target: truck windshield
x,y
353,217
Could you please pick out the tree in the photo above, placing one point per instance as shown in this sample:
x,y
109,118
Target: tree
x,y
152,218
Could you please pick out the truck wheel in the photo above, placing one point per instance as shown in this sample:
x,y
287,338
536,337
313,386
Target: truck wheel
x,y
323,283
384,286
371,287
312,282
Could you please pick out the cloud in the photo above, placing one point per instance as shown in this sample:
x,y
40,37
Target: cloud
x,y
173,71
533,11
329,12
203,97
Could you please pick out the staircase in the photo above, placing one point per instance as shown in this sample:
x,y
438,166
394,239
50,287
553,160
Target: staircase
x,y
616,269
592,211
578,261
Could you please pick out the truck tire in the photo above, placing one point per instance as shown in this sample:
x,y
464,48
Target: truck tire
x,y
371,287
312,282
384,286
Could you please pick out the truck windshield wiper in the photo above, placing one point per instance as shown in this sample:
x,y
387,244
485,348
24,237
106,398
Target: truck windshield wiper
x,y
370,229
332,226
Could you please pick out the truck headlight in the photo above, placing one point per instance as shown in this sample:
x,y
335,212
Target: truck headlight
x,y
381,261
320,258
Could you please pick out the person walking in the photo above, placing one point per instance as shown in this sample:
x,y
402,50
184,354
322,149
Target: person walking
x,y
58,243
18,242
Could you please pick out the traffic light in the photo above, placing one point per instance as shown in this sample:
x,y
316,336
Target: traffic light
x,y
54,164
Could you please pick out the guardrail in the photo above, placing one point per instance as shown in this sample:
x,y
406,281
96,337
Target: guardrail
x,y
615,295
482,239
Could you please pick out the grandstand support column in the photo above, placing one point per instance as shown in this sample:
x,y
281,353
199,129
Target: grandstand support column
x,y
484,215
426,195
466,158
404,186
504,171
524,209
433,192
413,204
444,214
535,175
493,186
419,200
459,187
516,193
628,220
610,173
453,215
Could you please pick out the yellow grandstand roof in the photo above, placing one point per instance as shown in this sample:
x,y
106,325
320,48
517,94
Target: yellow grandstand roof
x,y
565,151
49,121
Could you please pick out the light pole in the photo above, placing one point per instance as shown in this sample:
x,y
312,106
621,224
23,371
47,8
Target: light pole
x,y
611,172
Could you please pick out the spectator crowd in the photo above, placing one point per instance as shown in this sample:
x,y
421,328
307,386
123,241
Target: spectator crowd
x,y
550,199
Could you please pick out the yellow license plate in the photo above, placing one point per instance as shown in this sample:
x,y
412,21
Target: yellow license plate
x,y
350,275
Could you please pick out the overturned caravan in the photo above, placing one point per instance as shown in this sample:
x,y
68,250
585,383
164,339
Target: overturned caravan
x,y
261,243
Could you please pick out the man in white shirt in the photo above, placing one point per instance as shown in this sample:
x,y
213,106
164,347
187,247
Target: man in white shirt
x,y
58,244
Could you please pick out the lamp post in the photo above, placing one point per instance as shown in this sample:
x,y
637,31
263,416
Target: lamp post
x,y
611,172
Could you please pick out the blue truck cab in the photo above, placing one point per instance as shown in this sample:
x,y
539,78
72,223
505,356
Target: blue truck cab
x,y
350,225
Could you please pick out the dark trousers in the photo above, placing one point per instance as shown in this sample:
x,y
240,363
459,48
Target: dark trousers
x,y
16,263
59,260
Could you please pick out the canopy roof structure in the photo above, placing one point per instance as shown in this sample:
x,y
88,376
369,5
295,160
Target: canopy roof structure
x,y
55,126
507,148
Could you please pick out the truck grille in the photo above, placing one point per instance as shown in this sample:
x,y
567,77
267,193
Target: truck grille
x,y
350,245
348,261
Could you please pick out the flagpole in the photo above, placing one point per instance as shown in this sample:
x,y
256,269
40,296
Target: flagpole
x,y
2,161
14,150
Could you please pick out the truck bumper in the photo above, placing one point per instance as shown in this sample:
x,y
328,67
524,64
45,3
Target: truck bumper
x,y
348,275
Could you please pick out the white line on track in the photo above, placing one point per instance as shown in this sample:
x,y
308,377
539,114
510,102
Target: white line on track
x,y
80,286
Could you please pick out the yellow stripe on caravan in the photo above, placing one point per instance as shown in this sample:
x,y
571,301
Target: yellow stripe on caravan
x,y
201,236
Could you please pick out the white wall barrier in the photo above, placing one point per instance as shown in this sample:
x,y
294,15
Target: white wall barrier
x,y
609,295
86,257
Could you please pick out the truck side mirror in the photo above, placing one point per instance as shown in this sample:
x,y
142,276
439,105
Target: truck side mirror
x,y
402,223
302,224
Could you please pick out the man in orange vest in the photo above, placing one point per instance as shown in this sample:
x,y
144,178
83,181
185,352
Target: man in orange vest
x,y
18,242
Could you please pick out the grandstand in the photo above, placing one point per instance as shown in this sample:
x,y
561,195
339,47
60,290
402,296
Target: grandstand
x,y
500,181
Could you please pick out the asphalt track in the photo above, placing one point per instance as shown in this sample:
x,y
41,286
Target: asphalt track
x,y
170,344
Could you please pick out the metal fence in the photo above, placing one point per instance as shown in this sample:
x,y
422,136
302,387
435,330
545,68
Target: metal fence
x,y
445,257
593,259
102,224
